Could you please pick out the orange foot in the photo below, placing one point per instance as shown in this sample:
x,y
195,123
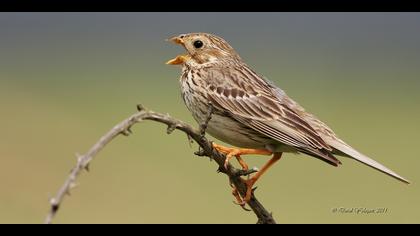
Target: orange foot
x,y
251,182
237,152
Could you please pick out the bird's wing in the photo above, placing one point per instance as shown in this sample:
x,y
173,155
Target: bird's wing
x,y
269,116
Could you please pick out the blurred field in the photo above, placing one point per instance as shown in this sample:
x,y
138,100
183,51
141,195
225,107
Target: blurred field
x,y
67,78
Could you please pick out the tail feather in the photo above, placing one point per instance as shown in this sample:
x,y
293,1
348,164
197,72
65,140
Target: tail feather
x,y
343,149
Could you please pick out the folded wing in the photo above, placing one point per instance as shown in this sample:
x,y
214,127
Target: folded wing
x,y
271,118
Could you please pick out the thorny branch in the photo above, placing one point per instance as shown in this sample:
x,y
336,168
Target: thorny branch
x,y
206,149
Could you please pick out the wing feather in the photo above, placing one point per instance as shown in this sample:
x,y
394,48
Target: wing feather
x,y
271,118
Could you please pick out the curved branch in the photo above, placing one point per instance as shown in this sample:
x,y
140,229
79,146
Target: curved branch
x,y
264,217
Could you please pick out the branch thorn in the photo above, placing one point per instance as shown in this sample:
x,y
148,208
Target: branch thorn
x,y
140,107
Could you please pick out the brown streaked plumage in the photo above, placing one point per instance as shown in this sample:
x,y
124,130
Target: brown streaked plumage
x,y
250,112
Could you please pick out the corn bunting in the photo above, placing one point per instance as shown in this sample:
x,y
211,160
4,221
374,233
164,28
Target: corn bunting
x,y
250,112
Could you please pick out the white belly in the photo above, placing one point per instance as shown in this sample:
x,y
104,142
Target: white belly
x,y
233,133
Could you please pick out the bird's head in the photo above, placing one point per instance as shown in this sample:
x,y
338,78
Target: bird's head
x,y
202,48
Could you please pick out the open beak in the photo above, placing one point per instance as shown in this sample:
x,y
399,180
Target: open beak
x,y
181,58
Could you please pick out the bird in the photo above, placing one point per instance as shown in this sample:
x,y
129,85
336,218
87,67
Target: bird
x,y
250,112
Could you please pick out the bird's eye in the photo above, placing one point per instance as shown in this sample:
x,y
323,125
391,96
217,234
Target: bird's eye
x,y
198,44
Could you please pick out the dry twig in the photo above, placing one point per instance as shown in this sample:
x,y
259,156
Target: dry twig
x,y
206,149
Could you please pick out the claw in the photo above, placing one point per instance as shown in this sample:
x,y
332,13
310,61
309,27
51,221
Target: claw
x,y
242,205
239,201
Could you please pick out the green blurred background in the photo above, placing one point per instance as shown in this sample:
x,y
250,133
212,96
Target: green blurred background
x,y
67,78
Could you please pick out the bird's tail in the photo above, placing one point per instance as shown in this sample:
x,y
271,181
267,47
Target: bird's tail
x,y
344,149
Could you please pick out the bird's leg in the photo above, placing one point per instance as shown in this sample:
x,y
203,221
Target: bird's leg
x,y
250,182
242,163
237,152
